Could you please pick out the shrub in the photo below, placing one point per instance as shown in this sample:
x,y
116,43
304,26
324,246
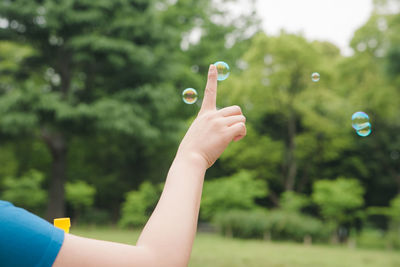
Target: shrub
x,y
236,192
26,191
293,202
393,239
139,204
371,238
286,225
277,224
242,224
95,216
340,202
80,196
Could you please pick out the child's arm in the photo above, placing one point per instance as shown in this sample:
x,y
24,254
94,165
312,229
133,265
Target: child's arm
x,y
168,236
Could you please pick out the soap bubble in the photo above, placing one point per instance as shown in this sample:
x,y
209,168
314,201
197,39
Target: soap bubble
x,y
359,119
223,70
315,77
189,96
365,129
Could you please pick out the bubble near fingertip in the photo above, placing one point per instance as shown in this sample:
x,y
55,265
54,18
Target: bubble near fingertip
x,y
222,69
189,96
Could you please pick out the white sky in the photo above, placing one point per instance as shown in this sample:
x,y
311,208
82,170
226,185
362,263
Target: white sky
x,y
327,20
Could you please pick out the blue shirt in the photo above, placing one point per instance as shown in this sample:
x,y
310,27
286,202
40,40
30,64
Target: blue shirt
x,y
26,239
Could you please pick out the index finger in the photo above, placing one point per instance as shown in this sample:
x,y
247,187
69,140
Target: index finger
x,y
210,94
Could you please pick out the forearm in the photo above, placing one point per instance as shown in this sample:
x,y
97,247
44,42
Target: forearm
x,y
171,229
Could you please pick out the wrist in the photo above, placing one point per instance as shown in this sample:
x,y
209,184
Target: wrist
x,y
191,159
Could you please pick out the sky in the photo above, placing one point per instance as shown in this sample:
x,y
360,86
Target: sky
x,y
326,20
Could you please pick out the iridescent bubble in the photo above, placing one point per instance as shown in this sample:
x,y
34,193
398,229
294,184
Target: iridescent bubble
x,y
359,119
365,129
315,77
223,70
189,96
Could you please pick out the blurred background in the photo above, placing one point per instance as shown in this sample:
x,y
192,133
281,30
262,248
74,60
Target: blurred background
x,y
91,115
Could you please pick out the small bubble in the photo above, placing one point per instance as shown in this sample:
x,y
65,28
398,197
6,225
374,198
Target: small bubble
x,y
359,119
365,129
189,96
223,70
315,77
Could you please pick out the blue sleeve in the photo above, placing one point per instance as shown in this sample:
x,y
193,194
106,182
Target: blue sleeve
x,y
26,239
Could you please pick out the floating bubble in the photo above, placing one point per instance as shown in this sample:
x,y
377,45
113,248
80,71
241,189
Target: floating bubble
x,y
359,119
315,77
365,129
189,96
223,70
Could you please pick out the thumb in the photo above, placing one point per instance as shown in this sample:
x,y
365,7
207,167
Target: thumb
x,y
210,94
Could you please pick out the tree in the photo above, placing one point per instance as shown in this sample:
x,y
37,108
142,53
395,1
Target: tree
x,y
139,205
25,191
293,122
237,192
80,196
101,72
339,200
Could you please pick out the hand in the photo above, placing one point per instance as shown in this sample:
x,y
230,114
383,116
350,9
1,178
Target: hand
x,y
212,130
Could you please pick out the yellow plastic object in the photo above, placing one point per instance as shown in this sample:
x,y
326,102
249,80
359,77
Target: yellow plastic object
x,y
63,223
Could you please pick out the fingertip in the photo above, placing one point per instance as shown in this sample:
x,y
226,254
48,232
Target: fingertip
x,y
212,72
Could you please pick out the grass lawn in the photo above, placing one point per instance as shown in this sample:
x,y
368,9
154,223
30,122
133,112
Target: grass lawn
x,y
213,250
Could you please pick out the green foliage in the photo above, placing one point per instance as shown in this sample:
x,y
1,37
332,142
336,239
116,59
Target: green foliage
x,y
101,72
12,56
104,79
291,120
338,199
393,239
287,225
139,204
80,195
395,209
378,239
277,224
293,202
393,235
242,223
238,191
25,191
95,217
371,238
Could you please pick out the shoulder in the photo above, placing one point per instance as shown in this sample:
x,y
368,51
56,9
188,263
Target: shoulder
x,y
26,239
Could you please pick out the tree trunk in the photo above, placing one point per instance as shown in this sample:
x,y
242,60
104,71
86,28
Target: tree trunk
x,y
57,145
